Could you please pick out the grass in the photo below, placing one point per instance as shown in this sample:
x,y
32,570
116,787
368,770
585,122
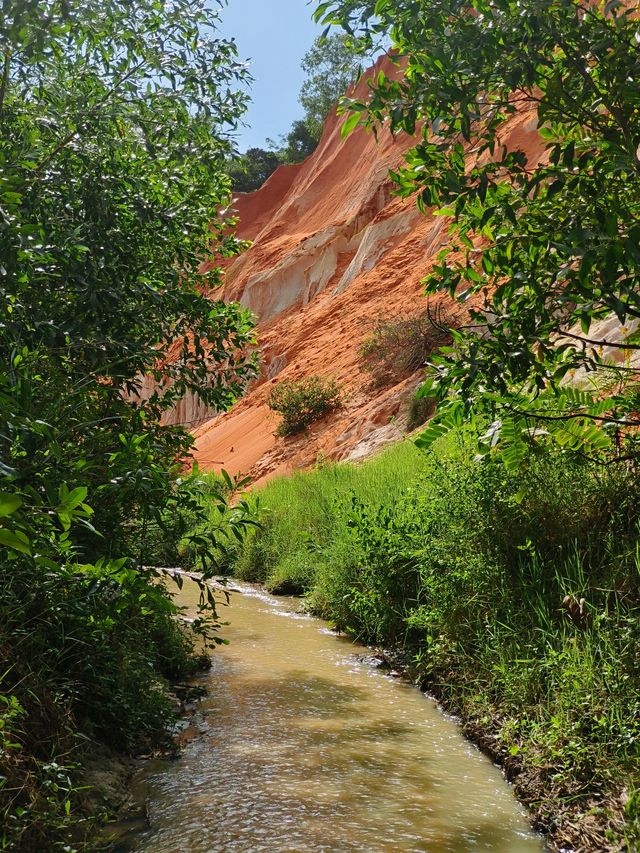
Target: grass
x,y
302,514
476,575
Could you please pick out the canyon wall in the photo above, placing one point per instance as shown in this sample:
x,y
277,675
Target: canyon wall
x,y
333,250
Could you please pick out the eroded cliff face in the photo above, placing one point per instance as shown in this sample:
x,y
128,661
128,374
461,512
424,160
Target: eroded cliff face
x,y
333,251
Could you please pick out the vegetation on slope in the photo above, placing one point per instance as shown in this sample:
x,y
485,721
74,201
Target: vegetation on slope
x,y
515,595
399,346
300,402
110,185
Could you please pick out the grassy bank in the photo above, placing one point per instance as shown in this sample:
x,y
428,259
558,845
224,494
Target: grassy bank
x,y
515,596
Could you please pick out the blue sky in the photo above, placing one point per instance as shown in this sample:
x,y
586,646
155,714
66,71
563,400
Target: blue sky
x,y
274,35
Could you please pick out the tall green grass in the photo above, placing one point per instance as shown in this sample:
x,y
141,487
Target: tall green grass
x,y
301,516
466,567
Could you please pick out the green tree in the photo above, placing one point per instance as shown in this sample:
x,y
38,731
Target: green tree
x,y
110,183
540,248
250,170
331,66
298,144
112,143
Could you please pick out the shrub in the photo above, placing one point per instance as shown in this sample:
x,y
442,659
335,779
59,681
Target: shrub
x,y
420,410
300,402
398,347
84,658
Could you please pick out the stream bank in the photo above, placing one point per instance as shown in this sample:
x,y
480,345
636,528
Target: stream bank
x,y
302,744
562,826
515,594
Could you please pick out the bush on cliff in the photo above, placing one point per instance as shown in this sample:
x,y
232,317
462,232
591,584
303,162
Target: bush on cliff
x,y
419,410
400,346
300,402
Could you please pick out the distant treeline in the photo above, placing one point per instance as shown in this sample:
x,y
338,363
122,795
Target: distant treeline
x,y
331,67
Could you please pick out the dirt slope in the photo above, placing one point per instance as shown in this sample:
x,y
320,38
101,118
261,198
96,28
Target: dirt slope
x,y
332,251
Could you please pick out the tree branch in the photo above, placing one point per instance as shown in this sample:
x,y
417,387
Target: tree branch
x,y
72,135
569,416
5,79
599,343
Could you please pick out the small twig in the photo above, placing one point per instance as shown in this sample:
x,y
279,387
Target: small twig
x,y
5,80
603,343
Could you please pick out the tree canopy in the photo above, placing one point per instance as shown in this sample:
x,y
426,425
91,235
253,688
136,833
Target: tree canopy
x,y
113,120
541,248
251,169
110,186
331,66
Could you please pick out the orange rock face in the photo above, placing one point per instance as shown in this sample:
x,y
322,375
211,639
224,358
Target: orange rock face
x,y
333,251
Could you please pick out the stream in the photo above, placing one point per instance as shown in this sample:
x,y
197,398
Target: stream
x,y
302,745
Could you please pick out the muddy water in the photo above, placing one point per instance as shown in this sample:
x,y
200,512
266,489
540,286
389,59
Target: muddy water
x,y
302,746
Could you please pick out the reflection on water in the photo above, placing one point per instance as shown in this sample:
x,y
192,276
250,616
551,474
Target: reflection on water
x,y
303,747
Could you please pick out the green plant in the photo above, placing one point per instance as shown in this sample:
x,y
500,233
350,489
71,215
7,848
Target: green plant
x,y
399,347
332,66
85,654
465,567
299,515
632,816
248,171
300,402
419,411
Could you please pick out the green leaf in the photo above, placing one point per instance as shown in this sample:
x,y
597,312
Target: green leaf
x,y
513,446
520,495
436,429
75,497
9,503
348,126
11,540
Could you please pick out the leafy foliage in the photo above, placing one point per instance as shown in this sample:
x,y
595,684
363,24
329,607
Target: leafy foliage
x,y
110,184
250,170
298,144
400,346
112,145
300,402
542,245
332,66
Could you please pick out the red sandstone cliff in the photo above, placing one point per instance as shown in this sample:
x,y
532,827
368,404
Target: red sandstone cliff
x,y
333,250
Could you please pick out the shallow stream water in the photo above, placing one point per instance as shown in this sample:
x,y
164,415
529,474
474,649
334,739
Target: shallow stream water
x,y
302,745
